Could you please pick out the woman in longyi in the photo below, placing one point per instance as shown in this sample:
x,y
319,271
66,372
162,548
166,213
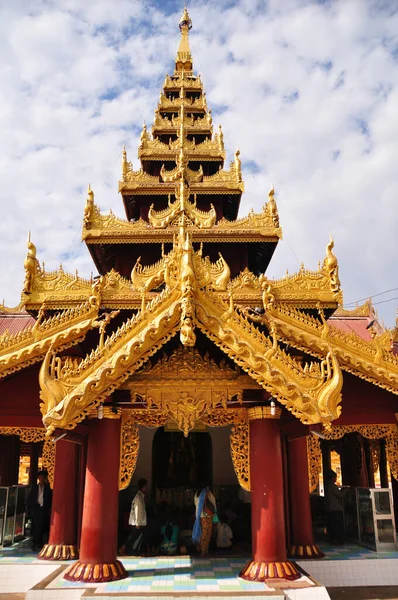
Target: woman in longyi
x,y
205,504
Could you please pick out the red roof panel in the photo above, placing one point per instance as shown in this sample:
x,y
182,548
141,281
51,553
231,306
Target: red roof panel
x,y
15,323
350,324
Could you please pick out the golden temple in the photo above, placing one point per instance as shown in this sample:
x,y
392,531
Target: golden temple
x,y
182,325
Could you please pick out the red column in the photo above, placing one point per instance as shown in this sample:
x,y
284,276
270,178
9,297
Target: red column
x,y
62,540
268,518
98,545
300,507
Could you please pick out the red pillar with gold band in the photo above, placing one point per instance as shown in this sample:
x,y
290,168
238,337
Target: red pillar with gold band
x,y
300,509
63,527
98,545
268,518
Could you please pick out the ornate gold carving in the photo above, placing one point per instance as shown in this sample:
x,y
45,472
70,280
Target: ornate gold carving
x,y
311,397
83,385
364,310
129,449
89,208
374,447
176,82
314,455
186,387
182,205
371,360
392,453
256,413
48,459
330,267
61,331
312,392
31,266
389,432
240,451
25,434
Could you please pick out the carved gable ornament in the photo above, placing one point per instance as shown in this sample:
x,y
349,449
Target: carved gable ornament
x,y
187,386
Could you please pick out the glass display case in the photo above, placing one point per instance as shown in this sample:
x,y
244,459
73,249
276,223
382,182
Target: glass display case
x,y
3,506
12,513
351,514
373,526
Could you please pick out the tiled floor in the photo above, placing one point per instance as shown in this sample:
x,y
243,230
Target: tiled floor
x,y
351,551
177,574
343,566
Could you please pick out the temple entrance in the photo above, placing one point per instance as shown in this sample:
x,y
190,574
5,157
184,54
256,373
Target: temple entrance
x,y
180,465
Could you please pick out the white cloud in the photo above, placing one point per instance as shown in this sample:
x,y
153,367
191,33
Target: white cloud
x,y
307,90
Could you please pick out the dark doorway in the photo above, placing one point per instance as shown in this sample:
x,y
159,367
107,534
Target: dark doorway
x,y
181,462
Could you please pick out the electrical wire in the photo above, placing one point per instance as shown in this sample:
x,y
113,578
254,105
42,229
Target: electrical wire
x,y
372,296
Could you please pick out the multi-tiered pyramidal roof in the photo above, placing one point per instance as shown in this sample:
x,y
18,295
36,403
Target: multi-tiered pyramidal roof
x,y
182,172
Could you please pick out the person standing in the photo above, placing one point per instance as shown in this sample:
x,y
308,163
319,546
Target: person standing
x,y
205,504
334,509
137,520
39,510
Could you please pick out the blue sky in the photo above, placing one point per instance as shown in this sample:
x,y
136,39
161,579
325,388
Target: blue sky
x,y
307,90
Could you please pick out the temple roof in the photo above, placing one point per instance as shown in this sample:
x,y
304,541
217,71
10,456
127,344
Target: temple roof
x,y
15,322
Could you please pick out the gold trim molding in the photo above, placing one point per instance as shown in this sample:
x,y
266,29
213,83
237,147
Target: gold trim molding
x,y
255,413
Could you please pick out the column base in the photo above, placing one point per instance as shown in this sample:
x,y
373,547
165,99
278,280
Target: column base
x,y
261,571
58,552
98,573
308,552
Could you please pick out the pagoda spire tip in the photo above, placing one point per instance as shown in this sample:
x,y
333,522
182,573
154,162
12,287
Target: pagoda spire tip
x,y
185,20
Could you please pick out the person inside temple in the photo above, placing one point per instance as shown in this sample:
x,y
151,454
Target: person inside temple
x,y
39,510
136,539
205,504
334,509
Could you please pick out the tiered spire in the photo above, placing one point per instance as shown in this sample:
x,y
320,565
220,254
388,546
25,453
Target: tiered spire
x,y
182,176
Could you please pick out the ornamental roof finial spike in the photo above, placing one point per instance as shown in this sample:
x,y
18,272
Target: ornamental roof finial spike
x,y
185,20
184,58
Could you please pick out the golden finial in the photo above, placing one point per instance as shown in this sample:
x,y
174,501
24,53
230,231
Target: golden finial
x,y
89,207
30,265
185,20
184,58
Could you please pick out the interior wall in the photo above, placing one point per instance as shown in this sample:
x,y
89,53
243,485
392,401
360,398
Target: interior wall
x,y
223,470
144,462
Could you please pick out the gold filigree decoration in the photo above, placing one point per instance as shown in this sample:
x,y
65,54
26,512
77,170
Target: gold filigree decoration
x,y
25,434
48,459
372,432
371,360
185,386
392,453
374,448
314,455
182,205
187,301
129,449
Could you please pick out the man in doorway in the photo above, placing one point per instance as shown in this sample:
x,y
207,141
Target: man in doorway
x,y
334,509
39,510
135,541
